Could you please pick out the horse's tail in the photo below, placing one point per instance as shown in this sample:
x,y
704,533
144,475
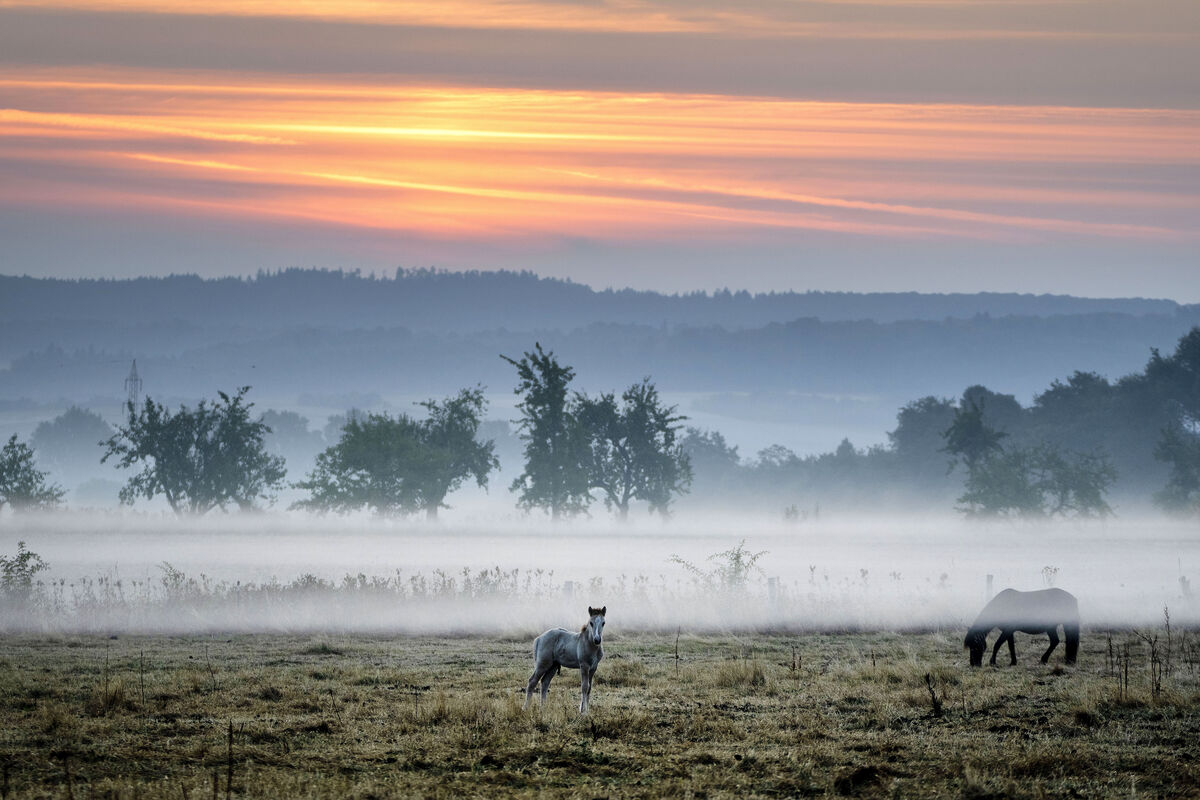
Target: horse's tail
x,y
1071,630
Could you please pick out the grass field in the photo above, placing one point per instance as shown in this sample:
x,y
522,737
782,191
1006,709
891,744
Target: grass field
x,y
871,715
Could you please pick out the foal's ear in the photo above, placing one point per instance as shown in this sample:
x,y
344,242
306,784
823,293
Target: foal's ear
x,y
603,610
592,612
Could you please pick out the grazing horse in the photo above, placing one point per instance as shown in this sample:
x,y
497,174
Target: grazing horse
x,y
1028,612
558,648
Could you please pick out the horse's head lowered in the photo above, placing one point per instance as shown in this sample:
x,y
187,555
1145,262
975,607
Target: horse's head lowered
x,y
595,626
976,642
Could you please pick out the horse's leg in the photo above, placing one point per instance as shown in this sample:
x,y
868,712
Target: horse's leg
x,y
1053,644
547,676
585,678
1012,649
533,680
1071,633
996,649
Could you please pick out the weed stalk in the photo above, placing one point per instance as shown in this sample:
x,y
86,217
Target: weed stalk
x,y
934,702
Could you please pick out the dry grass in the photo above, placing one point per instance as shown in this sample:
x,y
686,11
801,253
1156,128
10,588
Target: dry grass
x,y
366,717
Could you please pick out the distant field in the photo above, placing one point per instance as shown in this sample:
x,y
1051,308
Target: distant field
x,y
734,716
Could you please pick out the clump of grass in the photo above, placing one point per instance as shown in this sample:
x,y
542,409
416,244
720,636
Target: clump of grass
x,y
622,672
269,693
54,719
739,673
108,699
322,649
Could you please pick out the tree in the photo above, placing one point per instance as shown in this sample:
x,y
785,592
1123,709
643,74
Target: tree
x,y
969,437
22,485
556,446
1177,376
67,443
399,465
715,463
199,459
372,466
1179,446
634,451
1039,481
776,457
919,440
453,452
291,439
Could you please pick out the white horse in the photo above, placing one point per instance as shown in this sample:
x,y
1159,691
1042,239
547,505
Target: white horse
x,y
558,648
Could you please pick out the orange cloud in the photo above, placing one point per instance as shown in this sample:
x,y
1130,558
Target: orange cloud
x,y
915,19
465,161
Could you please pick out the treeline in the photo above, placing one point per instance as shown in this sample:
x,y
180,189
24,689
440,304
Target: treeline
x,y
214,456
426,299
987,454
895,360
1083,440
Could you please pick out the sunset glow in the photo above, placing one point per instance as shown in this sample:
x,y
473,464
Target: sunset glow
x,y
453,159
482,159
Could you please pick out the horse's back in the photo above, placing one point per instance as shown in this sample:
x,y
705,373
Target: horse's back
x,y
556,645
1042,607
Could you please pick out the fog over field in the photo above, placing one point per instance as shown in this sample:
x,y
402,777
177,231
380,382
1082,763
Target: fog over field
x,y
790,461
127,573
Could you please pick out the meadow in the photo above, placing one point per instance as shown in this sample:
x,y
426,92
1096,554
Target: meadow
x,y
673,715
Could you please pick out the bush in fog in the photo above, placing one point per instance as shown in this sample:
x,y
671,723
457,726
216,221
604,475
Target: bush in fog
x,y
731,571
399,465
16,575
199,459
22,485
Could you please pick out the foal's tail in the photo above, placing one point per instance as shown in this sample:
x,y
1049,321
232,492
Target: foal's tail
x,y
1071,630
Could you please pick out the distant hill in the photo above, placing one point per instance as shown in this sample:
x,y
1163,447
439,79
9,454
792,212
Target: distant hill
x,y
902,360
328,340
428,300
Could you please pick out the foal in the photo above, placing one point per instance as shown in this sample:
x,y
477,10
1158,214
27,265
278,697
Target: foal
x,y
558,648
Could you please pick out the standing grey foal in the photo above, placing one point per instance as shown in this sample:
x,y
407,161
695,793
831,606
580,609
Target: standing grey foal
x,y
558,648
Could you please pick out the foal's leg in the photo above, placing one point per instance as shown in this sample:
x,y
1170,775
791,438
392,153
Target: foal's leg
x,y
1053,644
546,677
1012,649
533,679
585,689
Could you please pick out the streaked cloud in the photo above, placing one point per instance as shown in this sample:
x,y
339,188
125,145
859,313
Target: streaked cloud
x,y
1097,53
927,19
442,160
555,126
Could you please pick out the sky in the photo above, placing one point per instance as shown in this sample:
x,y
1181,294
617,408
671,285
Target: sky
x,y
864,145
